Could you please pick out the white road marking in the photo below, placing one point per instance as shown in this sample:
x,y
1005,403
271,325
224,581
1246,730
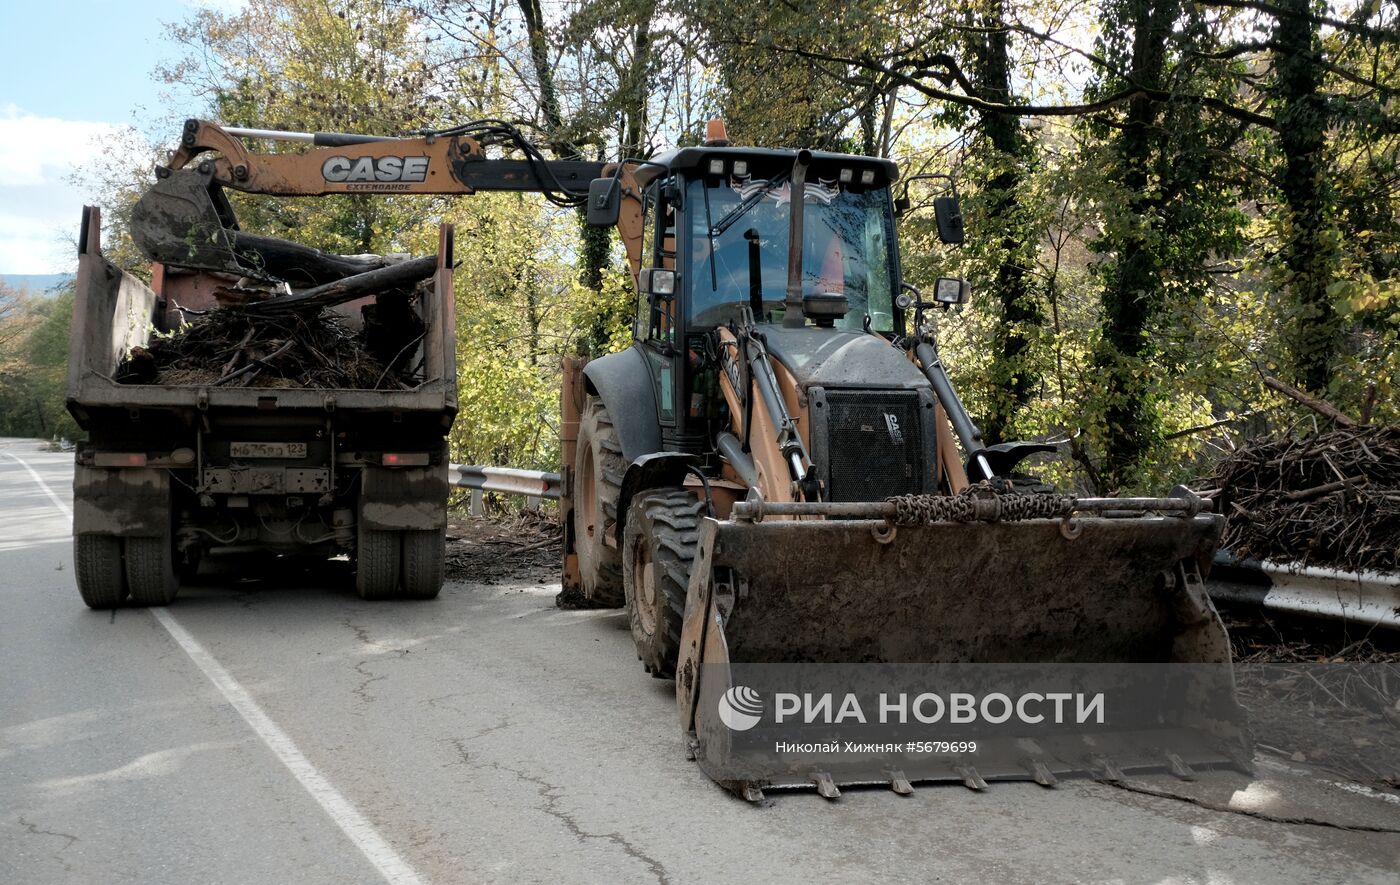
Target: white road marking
x,y
352,823
391,866
57,501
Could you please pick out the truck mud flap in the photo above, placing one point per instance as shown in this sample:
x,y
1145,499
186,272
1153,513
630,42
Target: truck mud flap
x,y
810,608
132,502
413,498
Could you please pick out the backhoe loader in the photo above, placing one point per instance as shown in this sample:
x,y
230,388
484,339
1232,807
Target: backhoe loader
x,y
778,470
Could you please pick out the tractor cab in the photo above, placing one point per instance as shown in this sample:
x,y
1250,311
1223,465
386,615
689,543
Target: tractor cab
x,y
722,250
718,240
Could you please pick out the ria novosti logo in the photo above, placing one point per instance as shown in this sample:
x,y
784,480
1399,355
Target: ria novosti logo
x,y
740,708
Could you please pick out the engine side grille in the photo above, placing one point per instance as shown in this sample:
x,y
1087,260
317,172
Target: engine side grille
x,y
875,445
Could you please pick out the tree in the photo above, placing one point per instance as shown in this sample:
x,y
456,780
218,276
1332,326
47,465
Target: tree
x,y
1007,227
34,363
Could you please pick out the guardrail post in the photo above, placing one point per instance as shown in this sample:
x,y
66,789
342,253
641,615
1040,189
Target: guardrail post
x,y
532,502
478,505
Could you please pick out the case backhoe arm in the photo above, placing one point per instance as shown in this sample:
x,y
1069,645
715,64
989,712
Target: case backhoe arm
x,y
452,162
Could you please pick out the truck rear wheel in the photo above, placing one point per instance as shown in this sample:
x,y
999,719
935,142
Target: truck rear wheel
x,y
423,554
658,551
151,574
598,469
377,559
97,564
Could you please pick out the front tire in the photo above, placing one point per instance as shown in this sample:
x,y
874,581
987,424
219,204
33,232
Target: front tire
x,y
658,549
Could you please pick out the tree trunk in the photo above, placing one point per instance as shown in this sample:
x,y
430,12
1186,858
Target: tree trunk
x,y
1309,252
635,90
1132,286
595,242
1013,379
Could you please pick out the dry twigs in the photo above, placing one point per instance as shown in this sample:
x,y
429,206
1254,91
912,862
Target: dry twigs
x,y
230,347
1330,499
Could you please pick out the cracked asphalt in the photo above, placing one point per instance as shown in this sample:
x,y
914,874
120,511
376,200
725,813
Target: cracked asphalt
x,y
489,736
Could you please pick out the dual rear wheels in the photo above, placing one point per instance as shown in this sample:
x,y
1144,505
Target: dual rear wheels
x,y
400,564
111,569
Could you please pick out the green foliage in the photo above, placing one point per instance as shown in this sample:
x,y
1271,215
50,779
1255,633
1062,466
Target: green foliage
x,y
33,365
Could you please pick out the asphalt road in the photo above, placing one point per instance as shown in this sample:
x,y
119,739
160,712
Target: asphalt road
x,y
275,728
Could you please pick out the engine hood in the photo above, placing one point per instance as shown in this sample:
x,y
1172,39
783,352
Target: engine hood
x,y
834,358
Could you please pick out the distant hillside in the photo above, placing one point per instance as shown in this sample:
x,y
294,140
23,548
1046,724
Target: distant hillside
x,y
37,283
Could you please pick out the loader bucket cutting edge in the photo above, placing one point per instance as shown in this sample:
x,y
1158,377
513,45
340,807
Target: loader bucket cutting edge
x,y
838,606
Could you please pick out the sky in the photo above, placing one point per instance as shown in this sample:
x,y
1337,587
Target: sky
x,y
72,74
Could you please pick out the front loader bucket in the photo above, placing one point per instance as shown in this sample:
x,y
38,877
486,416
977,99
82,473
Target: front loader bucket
x,y
808,608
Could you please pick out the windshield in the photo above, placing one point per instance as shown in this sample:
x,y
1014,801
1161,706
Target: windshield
x,y
847,243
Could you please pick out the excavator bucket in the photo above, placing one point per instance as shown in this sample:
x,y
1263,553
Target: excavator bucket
x,y
184,220
784,612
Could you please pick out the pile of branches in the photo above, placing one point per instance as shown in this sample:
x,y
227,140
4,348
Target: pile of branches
x,y
233,347
1328,499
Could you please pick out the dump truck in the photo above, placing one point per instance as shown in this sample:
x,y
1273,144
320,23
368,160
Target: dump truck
x,y
172,471
779,470
177,465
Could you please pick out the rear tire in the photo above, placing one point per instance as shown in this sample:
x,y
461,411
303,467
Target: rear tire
x,y
151,574
377,564
97,564
598,470
423,555
658,548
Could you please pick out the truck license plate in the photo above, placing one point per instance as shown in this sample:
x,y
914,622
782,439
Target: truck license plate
x,y
267,450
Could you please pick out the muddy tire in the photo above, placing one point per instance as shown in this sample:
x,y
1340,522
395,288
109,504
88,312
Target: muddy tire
x,y
97,565
423,555
152,575
598,470
658,550
377,556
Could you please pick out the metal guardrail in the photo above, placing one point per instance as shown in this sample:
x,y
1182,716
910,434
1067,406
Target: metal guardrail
x,y
1362,597
533,484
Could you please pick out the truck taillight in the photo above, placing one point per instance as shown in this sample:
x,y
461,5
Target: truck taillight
x,y
119,459
404,459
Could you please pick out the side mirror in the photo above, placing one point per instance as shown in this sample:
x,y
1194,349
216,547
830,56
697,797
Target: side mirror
x,y
945,210
604,201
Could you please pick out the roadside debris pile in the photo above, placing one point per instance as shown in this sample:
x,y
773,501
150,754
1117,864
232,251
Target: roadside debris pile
x,y
306,349
1329,499
485,551
1340,716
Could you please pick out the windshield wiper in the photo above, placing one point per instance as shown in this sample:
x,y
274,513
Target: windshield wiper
x,y
710,230
748,203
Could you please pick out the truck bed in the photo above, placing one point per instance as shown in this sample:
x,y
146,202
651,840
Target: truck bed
x,y
115,311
